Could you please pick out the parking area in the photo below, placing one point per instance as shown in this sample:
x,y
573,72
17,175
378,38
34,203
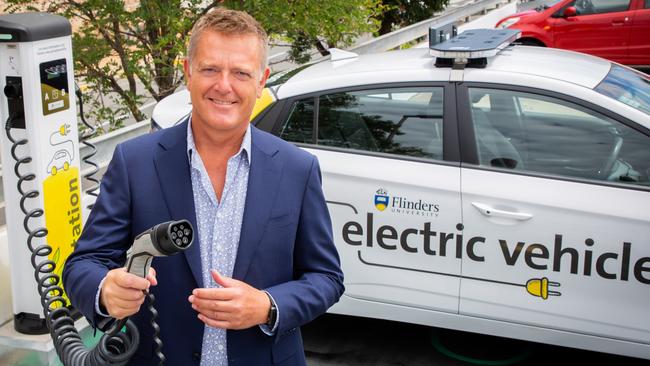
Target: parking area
x,y
335,340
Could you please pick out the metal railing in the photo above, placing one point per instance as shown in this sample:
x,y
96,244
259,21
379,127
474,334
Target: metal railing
x,y
457,10
461,11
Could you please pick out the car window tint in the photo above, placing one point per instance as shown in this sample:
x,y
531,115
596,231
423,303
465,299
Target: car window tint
x,y
529,132
586,7
299,126
401,121
647,4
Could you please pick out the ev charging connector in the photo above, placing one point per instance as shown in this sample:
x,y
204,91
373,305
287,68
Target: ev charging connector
x,y
41,181
161,240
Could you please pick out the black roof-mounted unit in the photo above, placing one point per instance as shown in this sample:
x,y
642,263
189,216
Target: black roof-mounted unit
x,y
472,48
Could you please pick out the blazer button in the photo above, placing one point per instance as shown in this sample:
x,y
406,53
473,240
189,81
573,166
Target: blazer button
x,y
196,355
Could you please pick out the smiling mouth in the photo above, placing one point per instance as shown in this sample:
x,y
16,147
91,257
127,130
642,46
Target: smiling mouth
x,y
222,102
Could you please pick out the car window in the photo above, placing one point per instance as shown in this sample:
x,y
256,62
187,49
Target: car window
x,y
647,4
299,126
529,132
628,86
586,7
400,121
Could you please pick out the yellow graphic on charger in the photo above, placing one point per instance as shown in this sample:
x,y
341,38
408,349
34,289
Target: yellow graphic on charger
x,y
64,154
62,197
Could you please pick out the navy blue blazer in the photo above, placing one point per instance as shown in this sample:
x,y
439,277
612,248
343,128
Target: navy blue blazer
x,y
285,248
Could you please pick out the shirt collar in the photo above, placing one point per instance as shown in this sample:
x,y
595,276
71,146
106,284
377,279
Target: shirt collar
x,y
245,144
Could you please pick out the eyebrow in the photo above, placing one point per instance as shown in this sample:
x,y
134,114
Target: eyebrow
x,y
241,68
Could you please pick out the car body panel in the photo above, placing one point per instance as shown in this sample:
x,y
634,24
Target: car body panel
x,y
552,244
359,222
398,66
617,35
639,51
604,35
577,68
176,107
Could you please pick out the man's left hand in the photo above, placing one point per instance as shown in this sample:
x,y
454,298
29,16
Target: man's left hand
x,y
236,305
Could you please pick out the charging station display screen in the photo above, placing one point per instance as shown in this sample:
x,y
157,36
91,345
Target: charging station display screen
x,y
54,86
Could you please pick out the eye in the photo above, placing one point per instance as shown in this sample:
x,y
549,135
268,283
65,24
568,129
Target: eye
x,y
243,75
208,71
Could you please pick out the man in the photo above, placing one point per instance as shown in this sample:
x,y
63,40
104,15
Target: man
x,y
263,262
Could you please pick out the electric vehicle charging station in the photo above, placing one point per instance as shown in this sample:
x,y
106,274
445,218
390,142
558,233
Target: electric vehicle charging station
x,y
43,196
36,78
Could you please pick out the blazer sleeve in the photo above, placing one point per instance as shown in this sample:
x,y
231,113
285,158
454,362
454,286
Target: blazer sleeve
x,y
319,279
103,242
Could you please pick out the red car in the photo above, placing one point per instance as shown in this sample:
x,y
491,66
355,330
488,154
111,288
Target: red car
x,y
618,30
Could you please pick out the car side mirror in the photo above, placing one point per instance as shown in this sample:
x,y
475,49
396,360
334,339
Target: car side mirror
x,y
570,12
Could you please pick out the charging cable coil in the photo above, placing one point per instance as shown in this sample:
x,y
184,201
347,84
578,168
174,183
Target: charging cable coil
x,y
113,349
90,175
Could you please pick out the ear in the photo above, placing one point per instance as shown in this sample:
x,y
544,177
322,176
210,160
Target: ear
x,y
265,76
186,70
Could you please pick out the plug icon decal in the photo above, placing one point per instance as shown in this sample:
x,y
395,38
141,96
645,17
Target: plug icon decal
x,y
539,287
62,158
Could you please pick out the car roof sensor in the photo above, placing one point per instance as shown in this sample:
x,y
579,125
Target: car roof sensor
x,y
472,48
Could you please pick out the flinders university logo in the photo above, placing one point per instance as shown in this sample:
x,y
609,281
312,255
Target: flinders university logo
x,y
381,199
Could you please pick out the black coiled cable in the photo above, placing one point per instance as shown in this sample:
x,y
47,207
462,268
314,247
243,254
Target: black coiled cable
x,y
115,349
156,328
93,150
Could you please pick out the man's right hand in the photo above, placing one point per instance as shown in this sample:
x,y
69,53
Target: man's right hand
x,y
122,292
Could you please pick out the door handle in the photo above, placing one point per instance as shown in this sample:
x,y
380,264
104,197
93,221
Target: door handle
x,y
489,211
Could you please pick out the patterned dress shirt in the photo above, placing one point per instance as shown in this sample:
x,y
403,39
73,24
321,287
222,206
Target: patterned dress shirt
x,y
219,225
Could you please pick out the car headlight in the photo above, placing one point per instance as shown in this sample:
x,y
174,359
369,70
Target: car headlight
x,y
508,22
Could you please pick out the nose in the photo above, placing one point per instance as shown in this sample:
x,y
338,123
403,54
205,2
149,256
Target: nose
x,y
222,83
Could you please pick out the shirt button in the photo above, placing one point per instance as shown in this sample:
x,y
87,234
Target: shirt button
x,y
219,247
221,347
196,356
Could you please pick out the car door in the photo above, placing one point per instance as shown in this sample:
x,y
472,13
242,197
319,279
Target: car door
x,y
601,28
555,205
392,191
639,52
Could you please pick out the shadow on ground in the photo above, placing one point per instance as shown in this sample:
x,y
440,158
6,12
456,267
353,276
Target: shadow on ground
x,y
340,340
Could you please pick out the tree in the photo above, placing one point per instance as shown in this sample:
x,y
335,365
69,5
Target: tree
x,y
399,13
122,47
308,24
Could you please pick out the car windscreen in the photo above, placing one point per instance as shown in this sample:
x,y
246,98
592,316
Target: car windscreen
x,y
282,76
628,86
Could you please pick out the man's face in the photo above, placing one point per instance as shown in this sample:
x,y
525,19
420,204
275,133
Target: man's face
x,y
224,81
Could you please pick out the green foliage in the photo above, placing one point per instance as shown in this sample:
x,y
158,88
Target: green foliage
x,y
399,13
124,49
307,24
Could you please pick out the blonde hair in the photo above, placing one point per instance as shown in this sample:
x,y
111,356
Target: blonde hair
x,y
229,22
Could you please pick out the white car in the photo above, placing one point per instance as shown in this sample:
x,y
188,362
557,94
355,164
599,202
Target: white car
x,y
509,195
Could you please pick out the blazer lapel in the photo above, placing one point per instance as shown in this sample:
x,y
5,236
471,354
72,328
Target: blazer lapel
x,y
173,170
263,181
